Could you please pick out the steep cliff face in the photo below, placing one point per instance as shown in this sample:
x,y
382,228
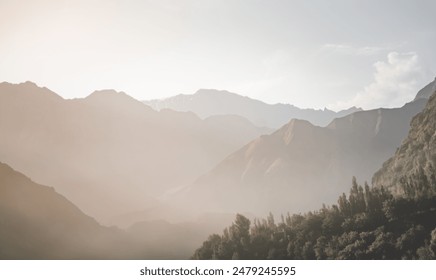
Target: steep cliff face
x,y
418,150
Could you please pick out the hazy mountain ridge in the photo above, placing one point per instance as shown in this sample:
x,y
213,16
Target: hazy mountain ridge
x,y
109,147
378,223
416,153
209,102
427,91
38,223
94,149
300,166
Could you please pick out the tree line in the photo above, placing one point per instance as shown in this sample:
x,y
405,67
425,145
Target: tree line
x,y
369,223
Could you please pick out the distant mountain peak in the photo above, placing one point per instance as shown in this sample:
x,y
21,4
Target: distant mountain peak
x,y
296,123
294,128
30,83
116,100
427,91
109,93
26,83
28,88
214,91
351,110
209,102
221,94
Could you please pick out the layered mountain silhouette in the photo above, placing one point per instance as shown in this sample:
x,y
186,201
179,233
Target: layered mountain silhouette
x,y
209,102
417,153
121,162
109,153
38,223
394,219
301,166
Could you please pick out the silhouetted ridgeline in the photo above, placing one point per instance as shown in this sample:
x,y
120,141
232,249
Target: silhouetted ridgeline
x,y
210,102
113,156
109,153
38,223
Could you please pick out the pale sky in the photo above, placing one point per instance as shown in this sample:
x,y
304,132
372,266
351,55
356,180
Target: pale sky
x,y
316,54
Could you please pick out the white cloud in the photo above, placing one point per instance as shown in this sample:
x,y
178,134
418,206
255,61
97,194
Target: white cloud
x,y
396,81
352,50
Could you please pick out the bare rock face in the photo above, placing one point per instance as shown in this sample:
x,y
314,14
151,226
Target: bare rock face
x,y
418,150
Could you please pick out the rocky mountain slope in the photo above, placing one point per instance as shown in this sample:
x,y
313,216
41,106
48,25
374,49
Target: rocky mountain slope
x,y
427,91
416,153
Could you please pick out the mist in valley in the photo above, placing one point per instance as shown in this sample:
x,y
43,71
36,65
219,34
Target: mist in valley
x,y
120,180
204,129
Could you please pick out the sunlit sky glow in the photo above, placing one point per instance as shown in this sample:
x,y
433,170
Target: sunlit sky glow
x,y
316,54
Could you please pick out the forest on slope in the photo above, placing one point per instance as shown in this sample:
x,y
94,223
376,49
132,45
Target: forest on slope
x,y
370,223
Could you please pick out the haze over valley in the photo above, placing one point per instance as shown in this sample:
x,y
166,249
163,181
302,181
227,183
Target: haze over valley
x,y
242,129
163,175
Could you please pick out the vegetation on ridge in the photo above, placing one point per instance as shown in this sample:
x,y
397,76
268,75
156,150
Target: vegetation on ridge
x,y
370,223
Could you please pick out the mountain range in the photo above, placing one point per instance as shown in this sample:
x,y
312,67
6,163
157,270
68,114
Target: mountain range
x,y
36,222
210,102
109,153
395,219
111,159
300,166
